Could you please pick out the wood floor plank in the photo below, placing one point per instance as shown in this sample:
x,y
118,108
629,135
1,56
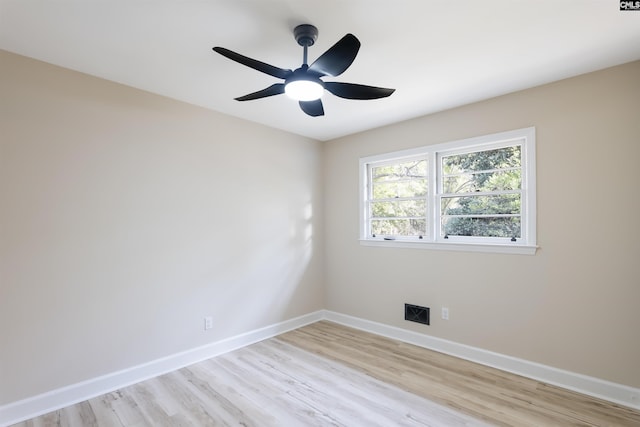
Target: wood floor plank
x,y
103,411
326,374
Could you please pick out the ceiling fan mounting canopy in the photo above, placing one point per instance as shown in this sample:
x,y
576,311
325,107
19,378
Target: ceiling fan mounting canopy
x,y
305,34
304,83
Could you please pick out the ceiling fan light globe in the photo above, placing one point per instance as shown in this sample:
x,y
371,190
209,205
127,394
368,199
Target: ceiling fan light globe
x,y
304,90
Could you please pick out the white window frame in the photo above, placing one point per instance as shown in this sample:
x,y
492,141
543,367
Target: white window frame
x,y
526,244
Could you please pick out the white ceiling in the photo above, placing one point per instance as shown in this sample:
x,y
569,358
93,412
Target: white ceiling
x,y
437,54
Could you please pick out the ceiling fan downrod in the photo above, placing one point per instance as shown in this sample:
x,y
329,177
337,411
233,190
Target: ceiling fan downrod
x,y
305,35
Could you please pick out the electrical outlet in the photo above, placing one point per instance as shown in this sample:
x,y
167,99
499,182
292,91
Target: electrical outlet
x,y
445,313
208,322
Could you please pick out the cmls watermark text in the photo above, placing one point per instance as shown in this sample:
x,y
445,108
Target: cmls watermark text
x,y
629,5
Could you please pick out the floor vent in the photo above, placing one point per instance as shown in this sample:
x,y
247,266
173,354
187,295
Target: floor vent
x,y
416,313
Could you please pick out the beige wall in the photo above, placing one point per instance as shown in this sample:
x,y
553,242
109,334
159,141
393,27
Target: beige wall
x,y
575,305
127,217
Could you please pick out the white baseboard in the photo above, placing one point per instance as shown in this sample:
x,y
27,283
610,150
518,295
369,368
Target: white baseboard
x,y
41,404
612,392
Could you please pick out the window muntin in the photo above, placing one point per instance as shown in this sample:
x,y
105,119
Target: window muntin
x,y
479,192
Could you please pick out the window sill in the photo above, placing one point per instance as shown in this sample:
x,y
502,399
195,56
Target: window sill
x,y
462,247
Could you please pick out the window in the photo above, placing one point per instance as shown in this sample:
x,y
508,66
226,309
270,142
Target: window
x,y
475,194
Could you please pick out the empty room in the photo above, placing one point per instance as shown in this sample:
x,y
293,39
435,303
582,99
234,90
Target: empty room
x,y
337,213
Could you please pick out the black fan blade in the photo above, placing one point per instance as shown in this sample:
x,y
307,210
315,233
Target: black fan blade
x,y
312,108
338,58
275,89
280,73
354,91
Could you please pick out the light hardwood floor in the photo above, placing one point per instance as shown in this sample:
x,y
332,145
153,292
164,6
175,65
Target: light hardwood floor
x,y
325,374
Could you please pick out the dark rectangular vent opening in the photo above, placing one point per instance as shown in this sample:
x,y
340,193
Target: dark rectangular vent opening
x,y
416,313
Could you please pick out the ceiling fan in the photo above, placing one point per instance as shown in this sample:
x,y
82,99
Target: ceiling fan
x,y
304,84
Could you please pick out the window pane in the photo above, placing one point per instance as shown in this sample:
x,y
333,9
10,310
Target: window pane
x,y
478,205
399,227
489,171
484,181
412,169
482,227
390,190
501,158
404,208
